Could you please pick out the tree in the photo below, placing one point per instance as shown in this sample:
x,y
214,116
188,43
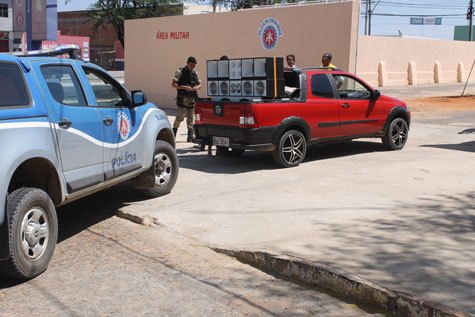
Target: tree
x,y
244,4
116,12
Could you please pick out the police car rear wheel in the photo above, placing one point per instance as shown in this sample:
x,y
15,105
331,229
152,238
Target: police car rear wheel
x,y
165,166
32,233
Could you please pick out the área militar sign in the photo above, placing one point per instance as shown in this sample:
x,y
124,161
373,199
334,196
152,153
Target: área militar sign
x,y
173,35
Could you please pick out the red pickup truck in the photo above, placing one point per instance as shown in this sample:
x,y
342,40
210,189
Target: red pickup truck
x,y
320,105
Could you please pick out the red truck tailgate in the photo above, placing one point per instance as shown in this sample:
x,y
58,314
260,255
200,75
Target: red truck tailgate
x,y
225,113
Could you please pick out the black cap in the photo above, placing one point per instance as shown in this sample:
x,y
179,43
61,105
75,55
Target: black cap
x,y
191,59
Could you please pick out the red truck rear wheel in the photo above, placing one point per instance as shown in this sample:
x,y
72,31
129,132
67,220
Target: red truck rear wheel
x,y
291,149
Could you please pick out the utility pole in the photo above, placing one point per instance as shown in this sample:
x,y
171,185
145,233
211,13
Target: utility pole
x,y
366,19
369,16
469,17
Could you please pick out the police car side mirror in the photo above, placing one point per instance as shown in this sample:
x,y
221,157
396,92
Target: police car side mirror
x,y
138,98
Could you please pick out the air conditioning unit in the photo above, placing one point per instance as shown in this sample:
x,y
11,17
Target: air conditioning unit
x,y
235,69
223,88
213,88
235,87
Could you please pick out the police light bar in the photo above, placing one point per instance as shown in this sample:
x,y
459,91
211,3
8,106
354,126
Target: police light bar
x,y
70,49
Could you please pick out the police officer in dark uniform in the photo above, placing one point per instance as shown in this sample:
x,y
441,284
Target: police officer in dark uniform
x,y
186,81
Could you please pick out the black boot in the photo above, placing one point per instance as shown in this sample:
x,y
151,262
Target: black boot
x,y
174,131
190,135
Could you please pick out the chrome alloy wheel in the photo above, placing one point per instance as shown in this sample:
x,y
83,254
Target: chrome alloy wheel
x,y
293,149
34,233
399,133
163,169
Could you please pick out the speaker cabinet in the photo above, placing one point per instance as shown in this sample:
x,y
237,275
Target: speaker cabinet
x,y
260,69
223,88
247,88
212,69
249,77
235,69
260,88
235,87
247,67
213,87
223,69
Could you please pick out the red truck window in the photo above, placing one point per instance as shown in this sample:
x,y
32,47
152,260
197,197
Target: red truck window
x,y
350,88
321,86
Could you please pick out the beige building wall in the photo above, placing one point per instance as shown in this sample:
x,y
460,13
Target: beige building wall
x,y
307,31
391,61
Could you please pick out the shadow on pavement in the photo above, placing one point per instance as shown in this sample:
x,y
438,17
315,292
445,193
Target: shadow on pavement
x,y
422,248
467,131
465,146
86,212
252,161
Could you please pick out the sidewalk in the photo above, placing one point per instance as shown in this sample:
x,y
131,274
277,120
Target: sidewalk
x,y
428,90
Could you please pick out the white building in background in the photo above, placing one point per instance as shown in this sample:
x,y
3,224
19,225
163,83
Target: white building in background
x,y
6,24
9,41
190,8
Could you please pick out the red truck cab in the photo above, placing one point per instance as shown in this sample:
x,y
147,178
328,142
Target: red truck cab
x,y
320,105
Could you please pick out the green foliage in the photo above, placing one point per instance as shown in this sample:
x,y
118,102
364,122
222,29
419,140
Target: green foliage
x,y
243,4
115,12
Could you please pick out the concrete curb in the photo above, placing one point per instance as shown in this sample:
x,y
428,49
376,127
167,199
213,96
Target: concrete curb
x,y
344,284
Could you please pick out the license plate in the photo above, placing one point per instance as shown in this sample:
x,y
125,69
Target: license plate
x,y
220,141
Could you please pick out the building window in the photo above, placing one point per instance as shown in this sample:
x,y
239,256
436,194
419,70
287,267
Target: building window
x,y
3,10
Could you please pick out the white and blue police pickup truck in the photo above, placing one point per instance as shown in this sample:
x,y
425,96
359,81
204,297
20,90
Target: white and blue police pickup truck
x,y
69,129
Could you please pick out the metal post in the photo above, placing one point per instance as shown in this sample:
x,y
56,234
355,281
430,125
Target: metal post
x,y
29,35
366,19
369,17
468,78
469,17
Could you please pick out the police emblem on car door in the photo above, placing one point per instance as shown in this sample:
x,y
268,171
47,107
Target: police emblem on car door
x,y
121,123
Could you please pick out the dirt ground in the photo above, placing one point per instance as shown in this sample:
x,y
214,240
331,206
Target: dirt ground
x,y
441,104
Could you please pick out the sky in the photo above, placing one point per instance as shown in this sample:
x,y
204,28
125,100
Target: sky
x,y
452,12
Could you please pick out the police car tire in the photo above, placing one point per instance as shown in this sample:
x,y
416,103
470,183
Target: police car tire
x,y
167,153
29,205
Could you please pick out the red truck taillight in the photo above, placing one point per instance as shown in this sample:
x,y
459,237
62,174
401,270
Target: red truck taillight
x,y
198,116
247,120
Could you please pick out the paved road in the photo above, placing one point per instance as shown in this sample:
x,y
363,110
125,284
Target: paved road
x,y
107,266
403,219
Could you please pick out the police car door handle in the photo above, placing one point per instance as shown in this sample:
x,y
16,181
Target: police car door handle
x,y
108,121
64,123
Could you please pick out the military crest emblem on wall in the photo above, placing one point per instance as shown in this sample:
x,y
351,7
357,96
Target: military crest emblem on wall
x,y
269,33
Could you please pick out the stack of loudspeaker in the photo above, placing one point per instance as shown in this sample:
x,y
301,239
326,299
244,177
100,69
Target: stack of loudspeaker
x,y
245,78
